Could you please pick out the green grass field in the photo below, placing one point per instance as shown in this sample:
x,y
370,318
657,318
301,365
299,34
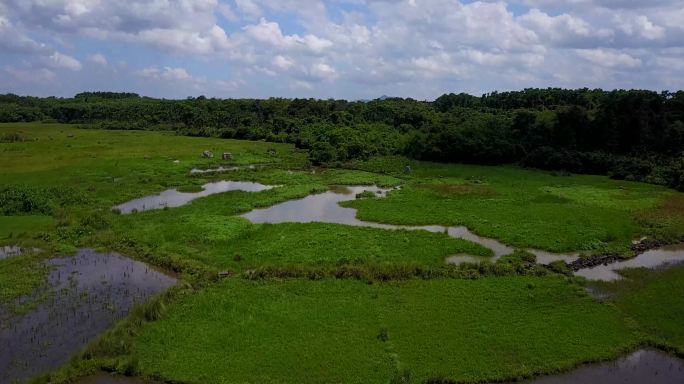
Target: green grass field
x,y
653,298
491,322
523,208
345,331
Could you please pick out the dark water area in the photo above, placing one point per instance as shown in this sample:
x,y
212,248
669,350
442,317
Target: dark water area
x,y
87,294
321,207
643,366
668,255
105,378
172,198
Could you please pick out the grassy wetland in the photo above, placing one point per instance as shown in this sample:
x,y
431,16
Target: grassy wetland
x,y
314,302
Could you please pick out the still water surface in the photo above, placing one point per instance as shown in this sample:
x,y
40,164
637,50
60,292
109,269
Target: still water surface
x,y
86,294
172,198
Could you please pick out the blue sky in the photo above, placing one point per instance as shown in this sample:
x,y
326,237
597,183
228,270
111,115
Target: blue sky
x,y
352,49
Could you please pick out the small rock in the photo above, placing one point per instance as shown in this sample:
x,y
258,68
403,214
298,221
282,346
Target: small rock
x,y
207,154
176,161
223,274
227,156
272,152
407,169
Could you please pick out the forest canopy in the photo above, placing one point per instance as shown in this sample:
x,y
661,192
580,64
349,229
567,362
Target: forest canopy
x,y
626,134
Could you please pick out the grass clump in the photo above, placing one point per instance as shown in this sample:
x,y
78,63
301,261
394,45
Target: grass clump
x,y
20,276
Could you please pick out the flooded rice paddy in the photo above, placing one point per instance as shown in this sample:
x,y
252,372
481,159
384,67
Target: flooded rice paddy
x,y
642,366
86,294
172,198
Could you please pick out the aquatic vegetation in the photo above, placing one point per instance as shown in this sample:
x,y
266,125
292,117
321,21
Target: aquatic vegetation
x,y
87,293
19,276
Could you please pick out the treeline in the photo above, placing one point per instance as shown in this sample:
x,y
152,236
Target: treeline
x,y
627,134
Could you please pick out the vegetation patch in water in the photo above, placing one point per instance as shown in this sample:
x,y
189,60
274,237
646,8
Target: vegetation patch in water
x,y
20,276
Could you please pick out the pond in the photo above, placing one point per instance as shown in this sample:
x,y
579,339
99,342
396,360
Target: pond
x,y
643,366
86,294
172,198
654,258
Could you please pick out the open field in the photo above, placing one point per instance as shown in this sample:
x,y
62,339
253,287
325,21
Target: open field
x,y
324,302
346,331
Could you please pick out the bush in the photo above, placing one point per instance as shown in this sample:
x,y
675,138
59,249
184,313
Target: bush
x,y
27,200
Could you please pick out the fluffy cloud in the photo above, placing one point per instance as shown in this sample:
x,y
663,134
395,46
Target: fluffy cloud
x,y
174,25
13,41
166,73
352,48
59,60
608,58
269,32
98,59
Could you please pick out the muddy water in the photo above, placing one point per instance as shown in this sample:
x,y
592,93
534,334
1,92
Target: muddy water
x,y
651,259
325,208
172,198
87,294
643,366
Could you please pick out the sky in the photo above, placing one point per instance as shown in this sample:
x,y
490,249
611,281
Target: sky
x,y
351,49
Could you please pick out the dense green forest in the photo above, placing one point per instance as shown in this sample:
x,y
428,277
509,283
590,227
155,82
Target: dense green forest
x,y
626,134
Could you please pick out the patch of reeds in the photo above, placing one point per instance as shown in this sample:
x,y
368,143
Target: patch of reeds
x,y
389,272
